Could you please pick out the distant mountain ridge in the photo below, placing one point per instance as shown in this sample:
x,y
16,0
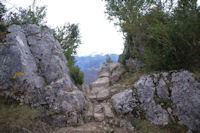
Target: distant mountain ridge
x,y
90,65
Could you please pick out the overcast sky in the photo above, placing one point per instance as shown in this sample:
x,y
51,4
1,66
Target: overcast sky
x,y
98,35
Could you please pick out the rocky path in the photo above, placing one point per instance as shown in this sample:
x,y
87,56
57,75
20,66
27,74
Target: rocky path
x,y
33,71
100,116
95,127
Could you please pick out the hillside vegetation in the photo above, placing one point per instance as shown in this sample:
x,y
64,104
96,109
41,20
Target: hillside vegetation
x,y
47,94
162,34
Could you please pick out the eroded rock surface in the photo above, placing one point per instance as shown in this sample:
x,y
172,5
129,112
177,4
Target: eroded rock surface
x,y
124,102
100,105
170,97
95,127
34,70
112,71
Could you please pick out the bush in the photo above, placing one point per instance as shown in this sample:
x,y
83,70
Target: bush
x,y
69,38
108,59
28,16
158,57
76,74
2,11
15,118
163,35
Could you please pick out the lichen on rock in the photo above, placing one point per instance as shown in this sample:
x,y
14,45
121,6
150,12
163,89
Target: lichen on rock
x,y
170,97
33,51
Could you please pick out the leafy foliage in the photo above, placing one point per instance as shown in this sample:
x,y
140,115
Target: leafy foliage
x,y
69,38
67,35
2,21
77,75
3,25
108,59
2,11
164,35
28,16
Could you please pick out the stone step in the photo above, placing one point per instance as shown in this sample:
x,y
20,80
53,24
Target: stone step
x,y
101,82
99,93
99,112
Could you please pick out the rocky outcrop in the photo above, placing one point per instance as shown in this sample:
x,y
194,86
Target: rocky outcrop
x,y
107,75
170,97
124,102
163,98
99,97
99,93
34,70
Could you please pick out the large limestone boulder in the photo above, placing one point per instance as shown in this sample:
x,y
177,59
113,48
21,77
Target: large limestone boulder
x,y
34,70
170,97
124,102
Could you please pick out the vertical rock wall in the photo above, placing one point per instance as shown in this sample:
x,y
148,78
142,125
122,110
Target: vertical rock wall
x,y
34,70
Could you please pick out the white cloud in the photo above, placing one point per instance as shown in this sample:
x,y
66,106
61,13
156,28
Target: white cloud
x,y
98,35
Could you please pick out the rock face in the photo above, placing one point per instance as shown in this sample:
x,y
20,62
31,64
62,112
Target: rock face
x,y
33,70
108,74
112,71
100,110
170,97
124,102
100,92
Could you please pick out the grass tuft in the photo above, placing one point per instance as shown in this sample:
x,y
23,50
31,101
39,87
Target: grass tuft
x,y
15,118
144,126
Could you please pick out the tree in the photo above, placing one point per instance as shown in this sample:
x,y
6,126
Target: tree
x,y
108,59
162,34
3,25
28,16
69,38
68,35
2,12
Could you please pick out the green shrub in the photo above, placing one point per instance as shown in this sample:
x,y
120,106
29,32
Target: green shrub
x,y
108,59
2,11
76,74
3,25
158,57
69,38
163,35
145,126
15,118
28,16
